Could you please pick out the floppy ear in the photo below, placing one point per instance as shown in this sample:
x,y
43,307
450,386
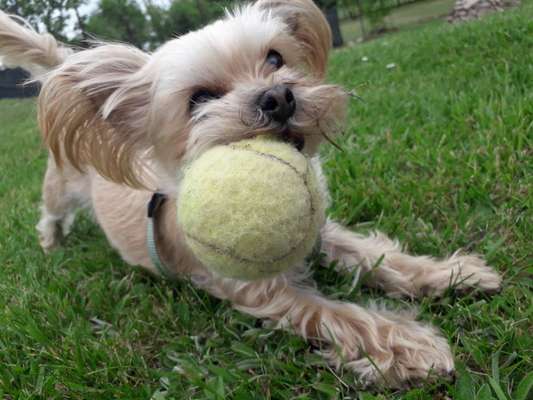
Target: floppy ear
x,y
309,25
93,110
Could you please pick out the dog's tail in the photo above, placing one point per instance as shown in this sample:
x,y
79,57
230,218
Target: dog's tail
x,y
22,46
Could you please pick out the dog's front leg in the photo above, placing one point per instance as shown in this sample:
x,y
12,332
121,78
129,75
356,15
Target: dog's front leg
x,y
375,344
399,273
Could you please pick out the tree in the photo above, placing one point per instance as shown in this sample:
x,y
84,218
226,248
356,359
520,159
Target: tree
x,y
53,15
330,10
181,17
119,20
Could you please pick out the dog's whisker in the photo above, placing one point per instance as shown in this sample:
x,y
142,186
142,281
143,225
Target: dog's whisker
x,y
354,95
331,141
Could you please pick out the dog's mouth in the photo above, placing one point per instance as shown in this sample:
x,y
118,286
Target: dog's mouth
x,y
287,135
293,138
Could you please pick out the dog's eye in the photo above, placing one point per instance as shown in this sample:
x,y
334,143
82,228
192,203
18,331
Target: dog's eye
x,y
202,96
275,59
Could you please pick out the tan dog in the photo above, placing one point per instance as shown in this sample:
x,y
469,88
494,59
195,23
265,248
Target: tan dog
x,y
120,123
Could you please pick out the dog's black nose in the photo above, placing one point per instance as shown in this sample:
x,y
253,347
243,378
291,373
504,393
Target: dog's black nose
x,y
278,103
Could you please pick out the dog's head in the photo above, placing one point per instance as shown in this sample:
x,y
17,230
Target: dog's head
x,y
259,70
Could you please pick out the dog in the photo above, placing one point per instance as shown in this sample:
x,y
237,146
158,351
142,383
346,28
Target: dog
x,y
120,124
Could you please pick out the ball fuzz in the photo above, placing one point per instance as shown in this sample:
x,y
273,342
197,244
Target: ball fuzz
x,y
251,209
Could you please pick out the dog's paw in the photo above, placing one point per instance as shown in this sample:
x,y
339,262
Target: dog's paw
x,y
475,273
66,224
50,234
392,349
411,353
460,272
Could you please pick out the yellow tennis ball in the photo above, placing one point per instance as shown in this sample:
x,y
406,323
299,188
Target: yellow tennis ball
x,y
251,209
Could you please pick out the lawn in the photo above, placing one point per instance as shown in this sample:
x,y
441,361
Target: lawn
x,y
438,154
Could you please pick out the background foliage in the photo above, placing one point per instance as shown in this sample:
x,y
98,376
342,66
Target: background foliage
x,y
147,24
52,15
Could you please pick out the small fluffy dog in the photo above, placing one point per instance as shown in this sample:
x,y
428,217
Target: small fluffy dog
x,y
120,123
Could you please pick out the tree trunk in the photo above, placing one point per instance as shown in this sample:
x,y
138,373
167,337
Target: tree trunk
x,y
333,18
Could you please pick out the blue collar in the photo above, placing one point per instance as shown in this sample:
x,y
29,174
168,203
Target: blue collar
x,y
154,206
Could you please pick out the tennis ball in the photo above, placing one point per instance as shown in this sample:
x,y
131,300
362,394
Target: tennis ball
x,y
251,209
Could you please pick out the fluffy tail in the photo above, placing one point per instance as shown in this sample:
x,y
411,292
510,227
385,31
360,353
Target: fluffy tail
x,y
21,45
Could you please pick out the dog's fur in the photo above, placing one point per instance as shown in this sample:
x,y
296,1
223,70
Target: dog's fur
x,y
118,124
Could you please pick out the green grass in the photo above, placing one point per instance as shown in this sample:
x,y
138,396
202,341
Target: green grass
x,y
401,18
438,154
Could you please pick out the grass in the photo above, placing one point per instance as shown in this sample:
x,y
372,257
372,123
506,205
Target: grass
x,y
401,18
438,155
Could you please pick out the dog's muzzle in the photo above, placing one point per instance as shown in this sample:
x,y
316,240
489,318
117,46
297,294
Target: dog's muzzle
x,y
278,104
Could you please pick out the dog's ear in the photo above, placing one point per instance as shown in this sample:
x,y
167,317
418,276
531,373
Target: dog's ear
x,y
93,111
309,25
